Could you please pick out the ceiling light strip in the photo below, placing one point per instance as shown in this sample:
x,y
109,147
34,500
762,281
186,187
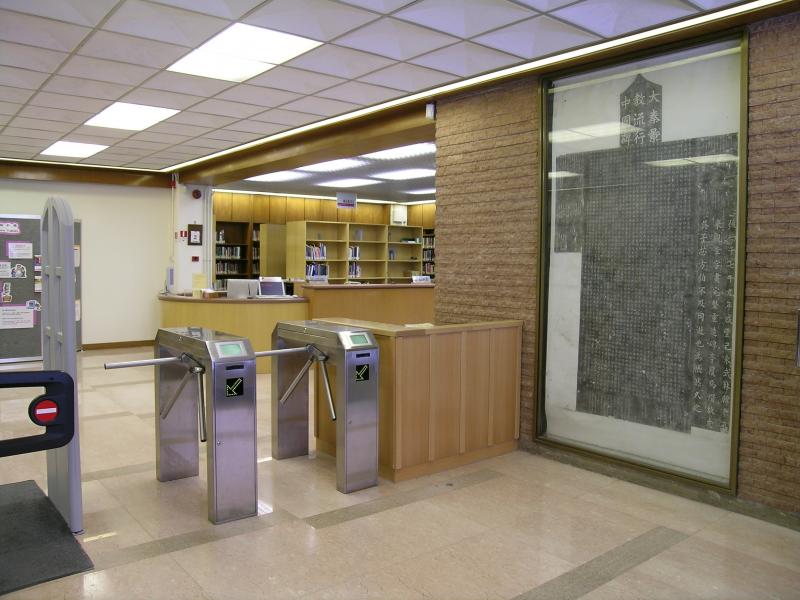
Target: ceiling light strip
x,y
31,162
313,197
487,77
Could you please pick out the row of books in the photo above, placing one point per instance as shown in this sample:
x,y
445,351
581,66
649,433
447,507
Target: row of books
x,y
315,270
354,270
428,254
353,252
428,268
316,251
428,241
228,268
229,252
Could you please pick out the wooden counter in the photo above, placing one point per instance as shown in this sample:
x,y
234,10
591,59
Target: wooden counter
x,y
387,303
254,319
449,395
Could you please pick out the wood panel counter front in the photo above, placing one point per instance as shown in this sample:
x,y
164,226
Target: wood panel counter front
x,y
448,396
251,318
387,303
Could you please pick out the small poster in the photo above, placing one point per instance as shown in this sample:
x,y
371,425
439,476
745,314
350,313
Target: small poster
x,y
16,317
37,283
19,271
5,270
19,249
345,199
9,228
37,262
6,296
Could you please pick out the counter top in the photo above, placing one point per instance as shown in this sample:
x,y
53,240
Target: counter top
x,y
364,286
412,329
287,300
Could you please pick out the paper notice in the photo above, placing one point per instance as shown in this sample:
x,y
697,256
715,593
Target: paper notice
x,y
5,270
16,317
19,249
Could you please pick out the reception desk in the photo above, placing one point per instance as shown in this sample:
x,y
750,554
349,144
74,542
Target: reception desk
x,y
385,303
449,395
254,319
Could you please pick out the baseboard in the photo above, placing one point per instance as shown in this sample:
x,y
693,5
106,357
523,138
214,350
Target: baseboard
x,y
110,345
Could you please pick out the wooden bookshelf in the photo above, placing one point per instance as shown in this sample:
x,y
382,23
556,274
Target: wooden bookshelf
x,y
429,252
366,252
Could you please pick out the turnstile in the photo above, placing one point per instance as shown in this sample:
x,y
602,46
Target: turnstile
x,y
191,360
354,354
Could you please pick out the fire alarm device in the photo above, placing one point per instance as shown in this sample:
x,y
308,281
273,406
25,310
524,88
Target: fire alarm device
x,y
197,194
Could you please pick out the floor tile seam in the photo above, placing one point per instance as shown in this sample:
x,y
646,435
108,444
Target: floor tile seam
x,y
111,415
121,384
139,523
100,474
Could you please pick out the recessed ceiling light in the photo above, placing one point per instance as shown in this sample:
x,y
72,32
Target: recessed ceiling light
x,y
406,174
348,183
670,162
73,149
422,192
692,160
334,165
241,52
403,152
134,117
713,158
278,176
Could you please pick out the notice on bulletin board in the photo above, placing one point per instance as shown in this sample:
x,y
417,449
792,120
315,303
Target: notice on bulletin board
x,y
16,317
19,249
5,270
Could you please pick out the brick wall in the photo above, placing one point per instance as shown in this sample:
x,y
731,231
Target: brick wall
x,y
769,453
487,244
487,216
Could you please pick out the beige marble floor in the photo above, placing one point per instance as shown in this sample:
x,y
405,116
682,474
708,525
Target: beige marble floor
x,y
517,526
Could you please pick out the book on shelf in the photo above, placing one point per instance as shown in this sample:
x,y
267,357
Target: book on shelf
x,y
314,270
317,251
354,270
354,252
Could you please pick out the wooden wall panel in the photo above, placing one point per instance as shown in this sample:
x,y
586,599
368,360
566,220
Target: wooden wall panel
x,y
428,216
222,206
413,399
277,210
313,209
241,207
477,362
415,215
260,208
345,215
503,392
295,209
328,211
445,395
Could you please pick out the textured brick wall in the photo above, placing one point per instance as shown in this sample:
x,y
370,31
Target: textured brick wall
x,y
769,454
487,216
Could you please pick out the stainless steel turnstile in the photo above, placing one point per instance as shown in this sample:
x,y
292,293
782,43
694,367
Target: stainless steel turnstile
x,y
191,360
354,354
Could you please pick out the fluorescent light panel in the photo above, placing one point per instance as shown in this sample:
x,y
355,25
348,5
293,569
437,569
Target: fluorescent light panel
x,y
331,166
73,149
348,183
278,176
403,152
133,117
560,174
422,192
404,174
241,52
692,160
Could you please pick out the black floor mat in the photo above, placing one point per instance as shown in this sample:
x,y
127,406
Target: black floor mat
x,y
36,544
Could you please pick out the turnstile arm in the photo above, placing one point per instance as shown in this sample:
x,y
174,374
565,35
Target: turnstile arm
x,y
264,353
327,383
150,362
297,379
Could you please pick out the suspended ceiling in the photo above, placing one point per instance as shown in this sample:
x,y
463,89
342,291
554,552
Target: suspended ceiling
x,y
63,62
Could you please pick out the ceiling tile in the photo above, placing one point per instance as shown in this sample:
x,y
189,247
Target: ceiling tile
x,y
227,108
395,39
159,138
227,9
343,62
16,95
95,89
137,51
21,78
295,80
23,142
44,124
87,138
360,93
320,20
198,146
464,18
153,166
117,154
143,145
172,156
188,117
110,161
106,133
9,108
615,17
78,103
383,6
186,84
40,33
258,127
4,119
164,23
105,70
37,134
409,78
321,106
56,114
179,129
713,4
466,59
28,57
545,5
286,117
213,143
536,37
11,152
80,12
239,137
161,98
260,96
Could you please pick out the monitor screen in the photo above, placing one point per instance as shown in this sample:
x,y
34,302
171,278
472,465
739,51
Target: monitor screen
x,y
271,288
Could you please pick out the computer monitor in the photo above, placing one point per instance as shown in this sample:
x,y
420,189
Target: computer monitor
x,y
242,288
271,286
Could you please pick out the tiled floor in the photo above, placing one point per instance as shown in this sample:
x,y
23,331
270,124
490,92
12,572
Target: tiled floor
x,y
517,526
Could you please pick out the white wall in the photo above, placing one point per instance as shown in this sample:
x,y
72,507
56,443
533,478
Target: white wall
x,y
126,244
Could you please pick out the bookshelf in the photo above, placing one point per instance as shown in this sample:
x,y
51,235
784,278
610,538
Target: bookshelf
x,y
429,252
363,252
232,252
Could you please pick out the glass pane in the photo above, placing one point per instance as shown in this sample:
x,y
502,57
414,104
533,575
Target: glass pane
x,y
643,211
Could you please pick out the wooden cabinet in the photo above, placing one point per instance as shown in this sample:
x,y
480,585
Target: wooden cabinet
x,y
277,209
415,215
295,209
222,206
241,208
428,216
260,209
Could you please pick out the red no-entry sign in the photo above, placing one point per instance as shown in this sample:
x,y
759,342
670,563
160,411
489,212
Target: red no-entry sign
x,y
44,412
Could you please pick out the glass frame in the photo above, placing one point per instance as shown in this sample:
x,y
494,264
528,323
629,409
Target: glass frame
x,y
740,36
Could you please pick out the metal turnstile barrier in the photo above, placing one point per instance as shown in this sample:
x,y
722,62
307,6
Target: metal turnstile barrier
x,y
191,360
354,355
